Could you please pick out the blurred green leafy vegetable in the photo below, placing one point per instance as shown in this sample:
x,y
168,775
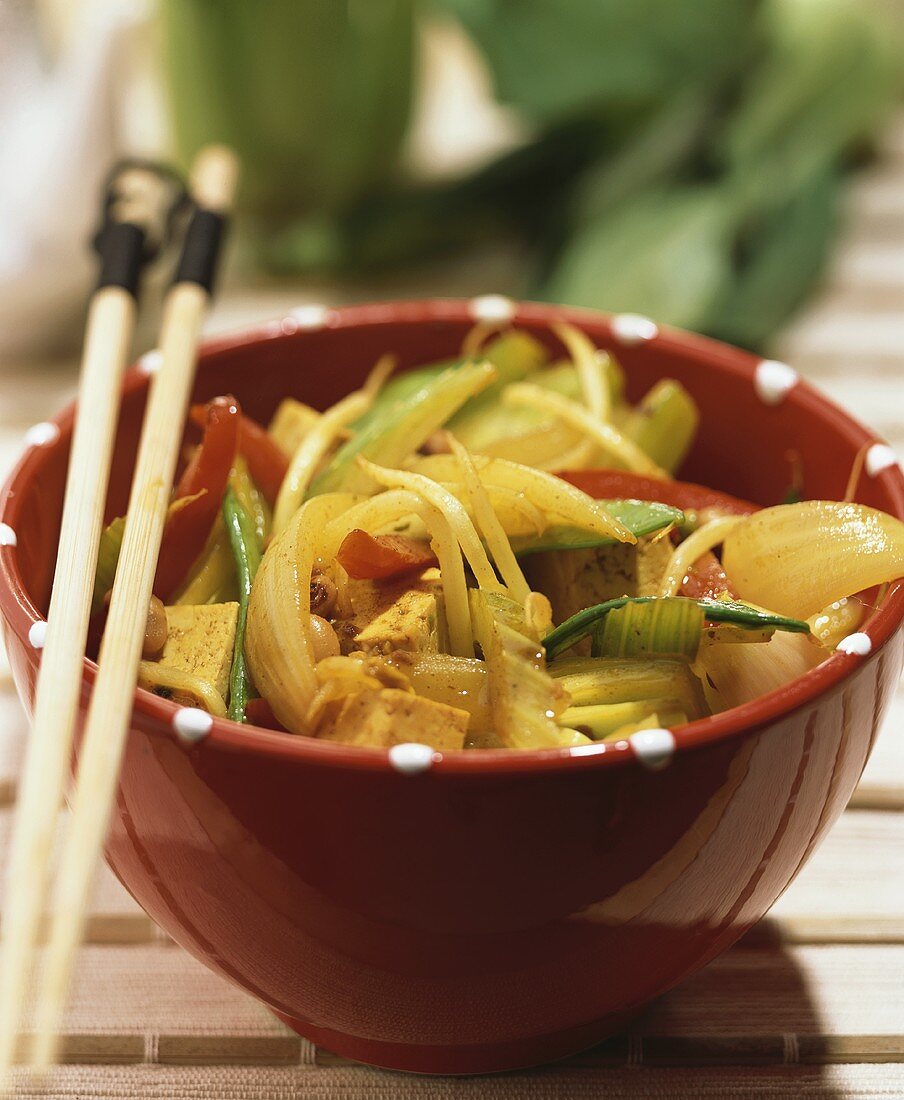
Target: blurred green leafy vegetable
x,y
687,159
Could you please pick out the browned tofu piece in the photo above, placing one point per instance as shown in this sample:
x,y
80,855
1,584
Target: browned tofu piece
x,y
393,615
575,579
200,641
392,717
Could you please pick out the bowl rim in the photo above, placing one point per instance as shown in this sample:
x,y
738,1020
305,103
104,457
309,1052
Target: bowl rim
x,y
20,613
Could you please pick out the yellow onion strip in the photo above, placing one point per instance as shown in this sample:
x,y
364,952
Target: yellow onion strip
x,y
589,367
381,510
603,435
797,559
561,503
278,643
182,686
840,618
694,547
736,674
379,374
311,452
450,507
553,446
488,523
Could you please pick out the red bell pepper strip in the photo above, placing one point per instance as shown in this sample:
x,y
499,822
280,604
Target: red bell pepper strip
x,y
205,479
618,485
706,579
259,713
267,462
378,557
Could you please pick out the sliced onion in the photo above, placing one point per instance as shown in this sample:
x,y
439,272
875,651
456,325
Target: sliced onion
x,y
561,503
692,549
602,434
797,559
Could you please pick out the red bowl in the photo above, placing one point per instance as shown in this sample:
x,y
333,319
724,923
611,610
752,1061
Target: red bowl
x,y
492,909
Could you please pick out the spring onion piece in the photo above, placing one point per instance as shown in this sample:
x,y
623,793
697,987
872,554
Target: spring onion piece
x,y
800,558
664,424
246,548
389,437
595,681
585,622
524,699
692,549
668,626
608,438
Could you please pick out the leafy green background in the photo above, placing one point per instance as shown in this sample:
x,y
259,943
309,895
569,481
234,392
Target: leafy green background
x,y
687,162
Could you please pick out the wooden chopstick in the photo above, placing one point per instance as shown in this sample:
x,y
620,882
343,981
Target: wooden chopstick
x,y
135,207
213,184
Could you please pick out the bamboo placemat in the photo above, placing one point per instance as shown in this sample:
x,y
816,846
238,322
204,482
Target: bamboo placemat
x,y
809,1004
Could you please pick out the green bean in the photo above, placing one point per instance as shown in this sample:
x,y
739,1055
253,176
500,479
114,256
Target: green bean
x,y
246,548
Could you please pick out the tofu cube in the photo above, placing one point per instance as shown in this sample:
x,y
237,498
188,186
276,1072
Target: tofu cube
x,y
575,579
399,614
200,641
391,717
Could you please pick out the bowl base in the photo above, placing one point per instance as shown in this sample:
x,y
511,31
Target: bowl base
x,y
465,1059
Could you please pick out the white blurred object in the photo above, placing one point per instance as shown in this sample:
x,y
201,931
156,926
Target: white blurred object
x,y
58,140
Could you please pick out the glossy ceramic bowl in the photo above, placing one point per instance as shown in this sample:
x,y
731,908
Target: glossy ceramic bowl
x,y
482,910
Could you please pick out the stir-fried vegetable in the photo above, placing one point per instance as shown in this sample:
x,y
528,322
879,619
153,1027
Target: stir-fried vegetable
x,y
398,598
107,560
658,627
244,540
799,558
401,428
524,699
664,424
378,557
205,478
587,621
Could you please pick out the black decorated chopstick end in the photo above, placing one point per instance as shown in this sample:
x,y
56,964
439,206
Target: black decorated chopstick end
x,y
201,250
142,203
212,188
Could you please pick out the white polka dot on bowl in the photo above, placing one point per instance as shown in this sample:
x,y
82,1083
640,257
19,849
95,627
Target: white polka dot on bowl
x,y
773,381
632,329
653,748
493,308
880,457
311,316
151,361
37,634
7,535
39,435
411,758
856,645
192,724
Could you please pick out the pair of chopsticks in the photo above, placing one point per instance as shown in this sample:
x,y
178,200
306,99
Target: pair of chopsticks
x,y
124,247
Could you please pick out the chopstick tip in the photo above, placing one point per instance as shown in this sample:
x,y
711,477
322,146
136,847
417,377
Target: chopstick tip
x,y
214,177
